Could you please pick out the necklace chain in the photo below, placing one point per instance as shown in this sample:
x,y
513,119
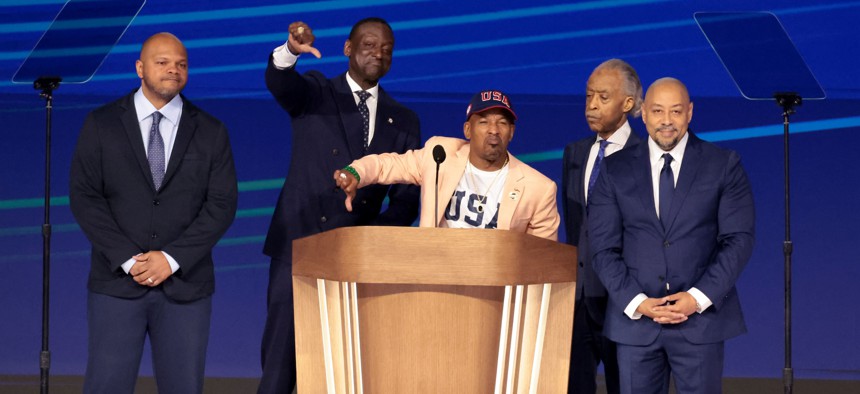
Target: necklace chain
x,y
483,198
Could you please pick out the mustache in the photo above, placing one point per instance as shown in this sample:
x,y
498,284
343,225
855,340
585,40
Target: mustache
x,y
667,128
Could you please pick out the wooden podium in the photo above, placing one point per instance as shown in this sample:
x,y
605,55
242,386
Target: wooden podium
x,y
429,310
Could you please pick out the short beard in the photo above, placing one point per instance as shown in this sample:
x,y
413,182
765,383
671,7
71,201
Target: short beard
x,y
672,144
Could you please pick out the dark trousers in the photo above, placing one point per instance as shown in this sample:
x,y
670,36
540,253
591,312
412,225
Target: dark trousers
x,y
696,368
278,353
178,333
588,349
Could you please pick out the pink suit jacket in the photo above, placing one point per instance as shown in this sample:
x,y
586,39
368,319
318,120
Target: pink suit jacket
x,y
528,201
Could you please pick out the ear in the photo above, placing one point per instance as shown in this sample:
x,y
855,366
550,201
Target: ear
x,y
513,128
347,48
690,113
138,65
628,104
467,130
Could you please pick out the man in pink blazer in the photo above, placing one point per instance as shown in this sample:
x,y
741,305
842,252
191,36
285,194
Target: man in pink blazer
x,y
480,184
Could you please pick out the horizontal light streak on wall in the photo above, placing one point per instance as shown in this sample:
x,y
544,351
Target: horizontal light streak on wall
x,y
731,135
200,16
59,201
343,31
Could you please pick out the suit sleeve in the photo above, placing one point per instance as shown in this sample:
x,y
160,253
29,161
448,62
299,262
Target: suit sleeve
x,y
390,168
291,90
736,227
572,215
545,221
403,199
88,203
218,210
606,236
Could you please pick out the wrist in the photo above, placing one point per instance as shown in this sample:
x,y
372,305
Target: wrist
x,y
352,171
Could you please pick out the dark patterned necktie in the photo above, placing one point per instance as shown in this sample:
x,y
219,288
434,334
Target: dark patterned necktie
x,y
667,189
155,155
365,114
595,170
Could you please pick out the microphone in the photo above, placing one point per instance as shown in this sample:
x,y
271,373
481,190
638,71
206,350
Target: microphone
x,y
438,157
438,154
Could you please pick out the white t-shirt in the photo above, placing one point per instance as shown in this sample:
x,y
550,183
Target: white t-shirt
x,y
475,202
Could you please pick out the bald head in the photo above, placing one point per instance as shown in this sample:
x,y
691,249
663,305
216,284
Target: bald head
x,y
157,39
162,68
668,83
667,111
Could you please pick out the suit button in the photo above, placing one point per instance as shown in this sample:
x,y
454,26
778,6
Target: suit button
x,y
581,264
666,244
156,202
154,236
323,219
334,152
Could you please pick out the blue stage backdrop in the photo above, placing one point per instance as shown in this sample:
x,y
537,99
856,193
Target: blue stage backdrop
x,y
540,53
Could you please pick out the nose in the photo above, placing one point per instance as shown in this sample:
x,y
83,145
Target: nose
x,y
665,119
591,103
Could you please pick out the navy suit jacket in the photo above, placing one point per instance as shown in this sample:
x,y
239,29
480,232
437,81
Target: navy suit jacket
x,y
327,136
113,198
707,244
575,159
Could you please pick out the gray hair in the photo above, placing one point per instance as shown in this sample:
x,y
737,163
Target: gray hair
x,y
632,85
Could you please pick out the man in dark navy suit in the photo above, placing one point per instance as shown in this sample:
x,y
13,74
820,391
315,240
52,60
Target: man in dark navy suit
x,y
671,223
334,121
613,92
153,187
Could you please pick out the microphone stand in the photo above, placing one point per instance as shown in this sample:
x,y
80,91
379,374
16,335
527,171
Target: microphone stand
x,y
47,85
436,197
438,157
787,101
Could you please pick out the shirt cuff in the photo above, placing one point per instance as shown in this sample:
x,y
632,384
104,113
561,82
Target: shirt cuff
x,y
282,58
174,266
630,311
128,264
702,301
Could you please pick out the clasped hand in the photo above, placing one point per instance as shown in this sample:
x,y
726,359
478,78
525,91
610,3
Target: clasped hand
x,y
671,309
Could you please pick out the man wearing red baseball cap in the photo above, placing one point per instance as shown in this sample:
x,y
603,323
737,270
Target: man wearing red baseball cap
x,y
480,183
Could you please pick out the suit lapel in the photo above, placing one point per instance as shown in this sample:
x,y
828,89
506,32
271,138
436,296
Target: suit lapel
x,y
689,168
581,153
640,167
135,138
512,193
385,129
184,133
350,118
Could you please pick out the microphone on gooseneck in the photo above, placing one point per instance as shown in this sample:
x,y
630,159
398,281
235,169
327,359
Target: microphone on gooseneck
x,y
438,157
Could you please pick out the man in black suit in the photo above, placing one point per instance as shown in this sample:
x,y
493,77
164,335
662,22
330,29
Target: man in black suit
x,y
334,121
612,93
154,188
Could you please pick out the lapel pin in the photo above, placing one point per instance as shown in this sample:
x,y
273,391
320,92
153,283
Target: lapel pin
x,y
390,121
514,194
